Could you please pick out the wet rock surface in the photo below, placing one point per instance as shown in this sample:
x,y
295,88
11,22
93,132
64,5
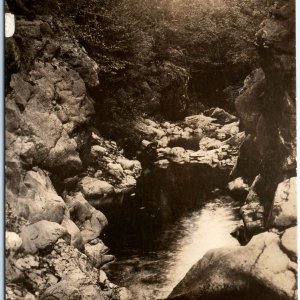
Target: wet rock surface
x,y
260,268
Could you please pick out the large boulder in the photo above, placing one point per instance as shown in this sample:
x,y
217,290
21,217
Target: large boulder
x,y
74,232
253,210
222,116
95,188
90,221
13,242
289,243
38,199
259,270
97,253
42,235
284,211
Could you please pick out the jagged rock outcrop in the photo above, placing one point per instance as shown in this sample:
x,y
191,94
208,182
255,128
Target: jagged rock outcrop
x,y
267,108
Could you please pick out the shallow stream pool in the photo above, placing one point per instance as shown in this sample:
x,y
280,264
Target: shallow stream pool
x,y
153,272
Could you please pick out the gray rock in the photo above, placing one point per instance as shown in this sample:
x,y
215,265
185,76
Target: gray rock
x,y
73,230
284,212
38,200
95,188
249,102
222,116
243,272
41,235
12,242
63,290
253,210
90,221
97,254
289,242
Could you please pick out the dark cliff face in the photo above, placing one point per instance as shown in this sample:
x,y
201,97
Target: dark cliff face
x,y
267,108
50,140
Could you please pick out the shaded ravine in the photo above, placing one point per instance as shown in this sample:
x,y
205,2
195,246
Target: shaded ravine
x,y
151,271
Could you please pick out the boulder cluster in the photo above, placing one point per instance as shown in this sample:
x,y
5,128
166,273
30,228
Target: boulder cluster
x,y
212,138
57,165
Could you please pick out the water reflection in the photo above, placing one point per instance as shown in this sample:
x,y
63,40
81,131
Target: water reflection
x,y
154,273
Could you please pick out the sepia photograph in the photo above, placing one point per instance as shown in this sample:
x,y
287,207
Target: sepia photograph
x,y
150,150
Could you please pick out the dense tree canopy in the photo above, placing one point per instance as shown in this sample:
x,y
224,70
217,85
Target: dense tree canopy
x,y
145,46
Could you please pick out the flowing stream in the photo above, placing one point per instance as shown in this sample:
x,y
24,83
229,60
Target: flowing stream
x,y
152,272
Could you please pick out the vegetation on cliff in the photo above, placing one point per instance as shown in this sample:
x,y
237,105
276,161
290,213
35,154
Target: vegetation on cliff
x,y
165,58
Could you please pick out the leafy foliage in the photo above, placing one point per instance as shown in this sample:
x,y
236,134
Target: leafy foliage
x,y
143,47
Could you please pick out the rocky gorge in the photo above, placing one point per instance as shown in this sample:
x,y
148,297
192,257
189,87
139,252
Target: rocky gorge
x,y
66,180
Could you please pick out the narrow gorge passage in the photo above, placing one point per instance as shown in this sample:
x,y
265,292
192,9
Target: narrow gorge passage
x,y
150,150
152,272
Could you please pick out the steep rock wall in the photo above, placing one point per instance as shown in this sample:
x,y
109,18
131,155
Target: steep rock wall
x,y
52,154
267,265
267,108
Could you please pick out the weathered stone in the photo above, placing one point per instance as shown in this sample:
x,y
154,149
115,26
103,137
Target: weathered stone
x,y
12,242
150,122
97,254
63,157
80,210
289,242
222,116
228,130
253,210
115,170
93,226
207,143
200,121
63,290
92,187
97,151
245,272
21,88
79,60
38,199
249,103
12,273
124,294
284,212
102,277
41,235
90,221
91,292
73,230
238,187
27,262
126,163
